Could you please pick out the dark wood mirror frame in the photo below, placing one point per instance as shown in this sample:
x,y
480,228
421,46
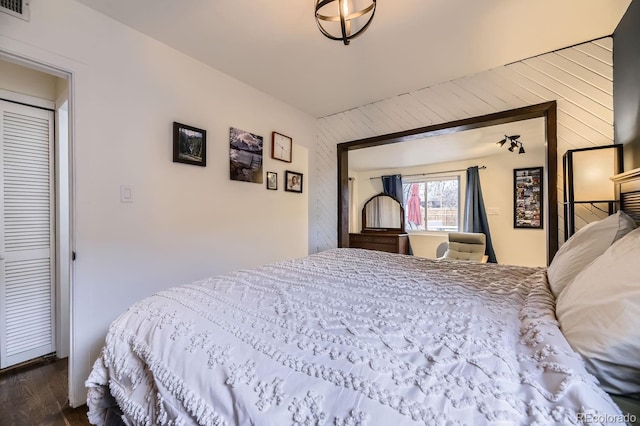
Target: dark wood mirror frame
x,y
548,110
365,222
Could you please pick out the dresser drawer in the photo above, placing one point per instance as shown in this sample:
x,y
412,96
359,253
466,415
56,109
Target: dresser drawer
x,y
392,243
379,239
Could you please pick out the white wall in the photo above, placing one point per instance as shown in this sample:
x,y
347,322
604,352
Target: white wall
x,y
186,222
497,192
579,78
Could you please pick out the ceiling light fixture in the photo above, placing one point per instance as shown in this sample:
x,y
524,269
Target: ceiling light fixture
x,y
513,143
344,19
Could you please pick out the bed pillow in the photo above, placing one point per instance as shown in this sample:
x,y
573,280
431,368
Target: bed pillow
x,y
599,314
584,246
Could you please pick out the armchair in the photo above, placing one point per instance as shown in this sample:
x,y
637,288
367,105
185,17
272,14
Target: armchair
x,y
466,246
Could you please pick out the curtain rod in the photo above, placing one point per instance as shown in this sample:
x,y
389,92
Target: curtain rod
x,y
433,173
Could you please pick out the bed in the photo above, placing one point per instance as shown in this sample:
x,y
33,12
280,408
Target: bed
x,y
352,337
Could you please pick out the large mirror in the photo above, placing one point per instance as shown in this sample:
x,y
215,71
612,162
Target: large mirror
x,y
545,112
382,213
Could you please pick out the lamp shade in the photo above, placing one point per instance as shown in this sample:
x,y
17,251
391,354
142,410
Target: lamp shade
x,y
587,174
592,169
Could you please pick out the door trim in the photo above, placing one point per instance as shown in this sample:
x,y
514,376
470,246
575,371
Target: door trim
x,y
27,100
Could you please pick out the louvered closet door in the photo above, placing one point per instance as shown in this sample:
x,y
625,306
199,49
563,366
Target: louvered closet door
x,y
26,234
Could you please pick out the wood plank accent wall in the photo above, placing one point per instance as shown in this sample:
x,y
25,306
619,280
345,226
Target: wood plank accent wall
x,y
579,78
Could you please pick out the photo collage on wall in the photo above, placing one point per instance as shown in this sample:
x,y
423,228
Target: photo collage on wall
x,y
528,198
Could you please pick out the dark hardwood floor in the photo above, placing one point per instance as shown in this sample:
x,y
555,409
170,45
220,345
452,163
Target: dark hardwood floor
x,y
37,395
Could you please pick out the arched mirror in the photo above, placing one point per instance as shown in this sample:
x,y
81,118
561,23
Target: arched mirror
x,y
382,213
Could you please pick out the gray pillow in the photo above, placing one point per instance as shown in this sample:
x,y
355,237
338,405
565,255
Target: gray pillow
x,y
584,247
599,314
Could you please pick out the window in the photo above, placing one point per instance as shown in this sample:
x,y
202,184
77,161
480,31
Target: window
x,y
432,204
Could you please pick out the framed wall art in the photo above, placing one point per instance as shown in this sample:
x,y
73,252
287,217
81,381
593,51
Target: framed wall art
x,y
272,180
292,181
281,147
528,198
189,145
245,156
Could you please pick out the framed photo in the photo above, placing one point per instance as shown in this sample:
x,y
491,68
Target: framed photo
x,y
281,147
292,181
272,180
189,145
245,156
528,198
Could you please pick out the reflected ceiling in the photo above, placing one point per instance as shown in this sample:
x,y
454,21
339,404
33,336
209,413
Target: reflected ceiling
x,y
476,143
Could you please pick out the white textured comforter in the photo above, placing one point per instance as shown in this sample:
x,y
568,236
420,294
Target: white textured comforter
x,y
348,337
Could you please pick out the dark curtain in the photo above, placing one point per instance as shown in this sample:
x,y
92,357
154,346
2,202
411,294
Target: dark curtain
x,y
475,215
392,185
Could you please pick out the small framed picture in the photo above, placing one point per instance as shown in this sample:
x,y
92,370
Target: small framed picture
x,y
281,147
292,181
272,180
189,145
528,198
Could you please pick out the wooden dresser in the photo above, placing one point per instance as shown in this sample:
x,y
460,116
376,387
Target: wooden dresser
x,y
389,242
